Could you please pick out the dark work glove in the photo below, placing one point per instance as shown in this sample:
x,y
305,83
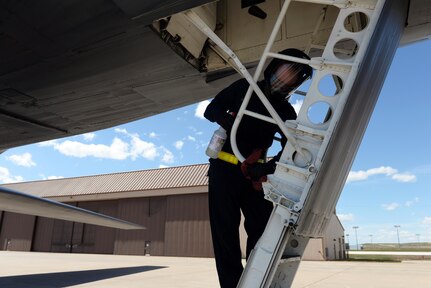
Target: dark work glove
x,y
225,120
257,170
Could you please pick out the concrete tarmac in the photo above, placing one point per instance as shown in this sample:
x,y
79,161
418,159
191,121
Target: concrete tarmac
x,y
49,270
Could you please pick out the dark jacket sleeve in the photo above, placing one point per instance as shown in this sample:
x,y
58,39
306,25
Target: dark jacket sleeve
x,y
227,100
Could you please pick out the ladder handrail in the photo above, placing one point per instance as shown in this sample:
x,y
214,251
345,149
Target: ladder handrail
x,y
256,76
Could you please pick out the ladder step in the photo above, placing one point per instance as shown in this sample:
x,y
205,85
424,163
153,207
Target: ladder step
x,y
289,259
288,58
304,172
304,130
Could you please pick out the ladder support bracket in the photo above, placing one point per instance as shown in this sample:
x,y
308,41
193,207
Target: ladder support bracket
x,y
288,216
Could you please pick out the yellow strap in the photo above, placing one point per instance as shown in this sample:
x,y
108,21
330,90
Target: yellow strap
x,y
230,158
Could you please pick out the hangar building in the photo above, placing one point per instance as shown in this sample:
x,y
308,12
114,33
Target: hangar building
x,y
170,202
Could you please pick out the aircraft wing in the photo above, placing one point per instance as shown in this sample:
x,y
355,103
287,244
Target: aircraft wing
x,y
18,202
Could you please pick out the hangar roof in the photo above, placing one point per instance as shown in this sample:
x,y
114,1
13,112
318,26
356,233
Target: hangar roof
x,y
156,180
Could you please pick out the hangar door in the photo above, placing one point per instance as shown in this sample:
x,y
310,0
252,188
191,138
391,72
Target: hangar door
x,y
187,231
16,231
73,237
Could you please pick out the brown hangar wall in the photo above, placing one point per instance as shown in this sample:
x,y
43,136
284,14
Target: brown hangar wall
x,y
43,234
16,231
187,226
150,212
170,202
177,225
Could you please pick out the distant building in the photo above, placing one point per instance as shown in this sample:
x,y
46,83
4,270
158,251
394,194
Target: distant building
x,y
331,246
170,202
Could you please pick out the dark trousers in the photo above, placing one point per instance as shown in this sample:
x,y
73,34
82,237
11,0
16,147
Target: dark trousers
x,y
229,193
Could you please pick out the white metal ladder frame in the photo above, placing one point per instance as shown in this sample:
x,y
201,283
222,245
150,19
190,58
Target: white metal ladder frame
x,y
288,187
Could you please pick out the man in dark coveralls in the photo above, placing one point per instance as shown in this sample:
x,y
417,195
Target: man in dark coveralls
x,y
236,187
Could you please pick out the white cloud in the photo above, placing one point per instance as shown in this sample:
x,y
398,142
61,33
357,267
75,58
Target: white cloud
x,y
297,105
168,156
163,166
391,206
139,147
88,136
6,177
191,138
411,202
22,160
404,177
179,144
383,170
121,130
427,221
153,135
146,150
387,170
200,109
117,150
54,177
48,143
192,129
363,175
346,217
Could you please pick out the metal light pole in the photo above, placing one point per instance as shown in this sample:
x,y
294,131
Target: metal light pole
x,y
347,235
371,238
356,233
398,235
418,235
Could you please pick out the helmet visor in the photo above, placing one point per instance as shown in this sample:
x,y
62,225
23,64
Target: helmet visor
x,y
287,78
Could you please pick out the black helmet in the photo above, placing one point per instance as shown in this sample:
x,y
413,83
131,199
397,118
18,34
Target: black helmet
x,y
283,77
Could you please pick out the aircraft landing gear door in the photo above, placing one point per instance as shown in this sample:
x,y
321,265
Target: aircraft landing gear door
x,y
319,153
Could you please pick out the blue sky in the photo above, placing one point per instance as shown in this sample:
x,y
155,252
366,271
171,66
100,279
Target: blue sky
x,y
389,184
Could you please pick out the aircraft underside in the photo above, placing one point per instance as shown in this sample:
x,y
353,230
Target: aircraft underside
x,y
76,66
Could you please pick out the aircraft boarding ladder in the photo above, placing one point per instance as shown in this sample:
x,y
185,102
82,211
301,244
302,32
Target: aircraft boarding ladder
x,y
317,157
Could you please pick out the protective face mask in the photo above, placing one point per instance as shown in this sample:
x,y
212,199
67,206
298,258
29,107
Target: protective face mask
x,y
286,79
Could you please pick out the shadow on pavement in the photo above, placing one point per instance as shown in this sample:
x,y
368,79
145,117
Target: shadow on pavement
x,y
66,279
